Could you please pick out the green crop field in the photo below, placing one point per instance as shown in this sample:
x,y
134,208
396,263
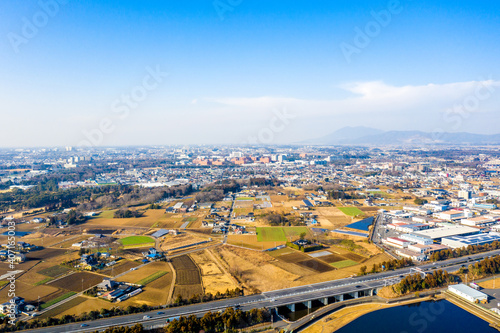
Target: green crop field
x,y
344,263
151,278
351,211
270,234
278,234
136,240
295,231
57,300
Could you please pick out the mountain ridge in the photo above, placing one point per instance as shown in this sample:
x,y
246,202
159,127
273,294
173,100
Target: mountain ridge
x,y
361,135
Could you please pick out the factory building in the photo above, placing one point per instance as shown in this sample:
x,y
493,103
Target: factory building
x,y
464,241
468,293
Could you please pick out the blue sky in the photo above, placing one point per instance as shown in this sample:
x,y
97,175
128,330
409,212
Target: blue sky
x,y
233,64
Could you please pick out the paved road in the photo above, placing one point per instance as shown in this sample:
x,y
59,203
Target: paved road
x,y
270,299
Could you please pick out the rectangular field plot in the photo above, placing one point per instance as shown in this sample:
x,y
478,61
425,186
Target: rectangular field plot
x,y
295,231
332,258
270,234
183,262
294,257
354,257
45,254
315,265
187,291
75,282
351,211
136,240
151,278
54,271
343,263
184,277
119,268
320,254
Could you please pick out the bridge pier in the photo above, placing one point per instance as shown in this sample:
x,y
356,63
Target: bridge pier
x,y
339,298
291,307
352,295
308,304
324,300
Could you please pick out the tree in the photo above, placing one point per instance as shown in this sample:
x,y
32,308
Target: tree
x,y
420,201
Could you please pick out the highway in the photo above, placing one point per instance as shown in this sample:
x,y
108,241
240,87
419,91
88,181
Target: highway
x,y
269,299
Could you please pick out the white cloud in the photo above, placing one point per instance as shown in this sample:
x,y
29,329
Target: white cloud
x,y
376,96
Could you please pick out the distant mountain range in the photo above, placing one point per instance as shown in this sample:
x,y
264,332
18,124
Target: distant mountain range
x,y
370,136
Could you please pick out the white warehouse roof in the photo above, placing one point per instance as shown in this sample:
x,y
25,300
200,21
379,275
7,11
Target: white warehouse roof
x,y
447,232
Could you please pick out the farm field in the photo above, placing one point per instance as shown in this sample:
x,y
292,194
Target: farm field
x,y
255,270
54,271
250,241
121,267
73,282
63,307
171,242
143,271
156,218
57,299
213,277
351,211
188,278
187,291
137,240
343,263
45,254
315,265
270,234
30,292
151,278
279,234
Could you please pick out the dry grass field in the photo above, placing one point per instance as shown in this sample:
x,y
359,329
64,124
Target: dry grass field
x,y
171,242
143,271
30,293
152,218
251,242
255,270
214,278
331,217
491,284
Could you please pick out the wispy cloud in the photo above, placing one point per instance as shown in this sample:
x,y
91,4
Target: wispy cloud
x,y
369,97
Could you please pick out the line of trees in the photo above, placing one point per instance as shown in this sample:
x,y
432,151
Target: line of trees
x,y
229,321
386,266
464,251
208,297
416,282
485,267
126,213
47,194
